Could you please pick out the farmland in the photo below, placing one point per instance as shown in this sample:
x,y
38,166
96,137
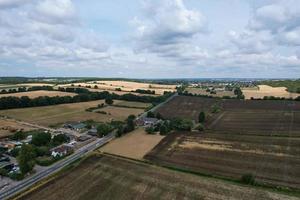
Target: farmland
x,y
58,114
200,91
139,139
265,90
273,160
187,107
106,177
9,127
124,86
34,94
263,122
246,136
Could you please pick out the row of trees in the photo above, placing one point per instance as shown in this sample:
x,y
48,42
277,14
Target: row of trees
x,y
22,102
141,91
24,89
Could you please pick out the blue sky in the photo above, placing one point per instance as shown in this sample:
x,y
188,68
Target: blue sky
x,y
150,38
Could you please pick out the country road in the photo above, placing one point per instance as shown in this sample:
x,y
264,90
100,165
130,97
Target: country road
x,y
23,185
27,183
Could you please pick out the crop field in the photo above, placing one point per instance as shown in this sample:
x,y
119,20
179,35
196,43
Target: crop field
x,y
263,122
13,86
265,90
203,92
106,177
272,160
132,104
246,136
9,127
34,94
119,113
125,86
139,139
186,107
58,114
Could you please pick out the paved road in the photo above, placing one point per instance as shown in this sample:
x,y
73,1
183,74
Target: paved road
x,y
27,183
23,185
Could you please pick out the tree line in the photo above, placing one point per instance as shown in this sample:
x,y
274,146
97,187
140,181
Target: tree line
x,y
24,101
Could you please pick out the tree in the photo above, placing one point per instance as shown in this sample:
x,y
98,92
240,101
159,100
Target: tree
x,y
20,135
59,139
104,129
41,139
130,123
26,158
109,101
158,116
163,130
149,130
150,114
201,117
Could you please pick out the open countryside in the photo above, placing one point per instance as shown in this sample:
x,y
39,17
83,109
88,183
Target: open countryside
x,y
106,177
149,99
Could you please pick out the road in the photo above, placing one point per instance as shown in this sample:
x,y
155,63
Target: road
x,y
27,183
156,107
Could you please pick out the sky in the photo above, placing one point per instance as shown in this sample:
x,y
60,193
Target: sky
x,y
150,38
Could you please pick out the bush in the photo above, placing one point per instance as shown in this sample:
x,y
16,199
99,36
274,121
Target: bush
x,y
200,127
20,135
150,130
248,179
163,130
16,176
201,117
150,114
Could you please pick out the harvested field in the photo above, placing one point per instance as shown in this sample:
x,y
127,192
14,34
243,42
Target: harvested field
x,y
126,86
120,113
272,160
106,177
186,107
12,86
9,127
200,91
133,145
34,94
265,90
259,122
58,114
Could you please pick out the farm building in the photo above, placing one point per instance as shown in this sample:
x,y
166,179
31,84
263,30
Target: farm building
x,y
61,150
93,132
147,121
75,126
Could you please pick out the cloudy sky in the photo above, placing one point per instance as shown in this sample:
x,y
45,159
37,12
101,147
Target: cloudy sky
x,y
150,38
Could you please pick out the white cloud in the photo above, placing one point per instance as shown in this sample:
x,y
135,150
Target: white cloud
x,y
55,12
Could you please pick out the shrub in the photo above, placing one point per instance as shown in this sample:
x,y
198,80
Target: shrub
x,y
163,130
201,117
16,176
150,130
248,179
200,127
